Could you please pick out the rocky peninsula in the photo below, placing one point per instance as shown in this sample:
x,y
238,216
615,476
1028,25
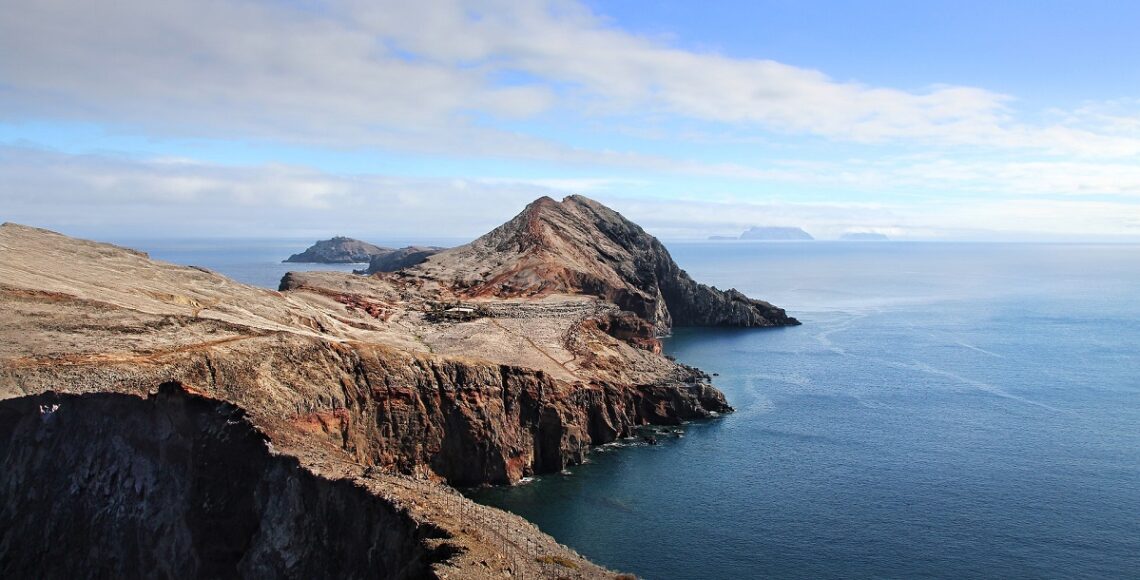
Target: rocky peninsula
x,y
160,417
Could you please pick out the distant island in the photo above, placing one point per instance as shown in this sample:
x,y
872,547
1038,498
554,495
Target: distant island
x,y
769,233
342,250
864,237
338,250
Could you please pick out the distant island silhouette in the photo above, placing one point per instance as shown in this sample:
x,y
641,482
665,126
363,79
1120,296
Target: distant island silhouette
x,y
864,237
770,233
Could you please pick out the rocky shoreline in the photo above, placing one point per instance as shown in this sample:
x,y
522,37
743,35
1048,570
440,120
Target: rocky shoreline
x,y
420,376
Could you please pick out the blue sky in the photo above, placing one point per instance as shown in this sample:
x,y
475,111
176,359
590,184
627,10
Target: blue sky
x,y
921,120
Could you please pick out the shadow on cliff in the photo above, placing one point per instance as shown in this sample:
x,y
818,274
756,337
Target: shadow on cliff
x,y
178,485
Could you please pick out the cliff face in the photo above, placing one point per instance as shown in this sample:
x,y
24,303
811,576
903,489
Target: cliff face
x,y
579,246
468,422
339,250
356,384
399,259
181,486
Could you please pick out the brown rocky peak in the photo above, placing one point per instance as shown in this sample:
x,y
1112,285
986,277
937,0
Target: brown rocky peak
x,y
579,246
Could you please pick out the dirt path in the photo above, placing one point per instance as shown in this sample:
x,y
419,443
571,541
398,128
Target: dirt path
x,y
538,348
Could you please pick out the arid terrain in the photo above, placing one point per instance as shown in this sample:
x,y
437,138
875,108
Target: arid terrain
x,y
149,407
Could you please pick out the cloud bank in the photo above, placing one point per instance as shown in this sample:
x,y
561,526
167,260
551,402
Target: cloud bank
x,y
424,73
517,81
92,195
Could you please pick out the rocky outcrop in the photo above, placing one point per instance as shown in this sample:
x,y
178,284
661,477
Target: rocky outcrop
x,y
399,259
579,246
339,250
468,422
332,404
178,485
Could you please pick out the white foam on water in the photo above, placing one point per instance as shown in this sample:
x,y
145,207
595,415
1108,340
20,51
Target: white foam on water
x,y
979,385
978,349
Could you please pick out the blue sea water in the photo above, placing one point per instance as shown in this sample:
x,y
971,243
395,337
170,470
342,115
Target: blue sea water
x,y
256,261
945,411
251,261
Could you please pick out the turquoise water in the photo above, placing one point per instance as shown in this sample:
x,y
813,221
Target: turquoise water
x,y
946,410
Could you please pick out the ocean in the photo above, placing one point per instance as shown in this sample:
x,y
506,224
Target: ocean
x,y
946,410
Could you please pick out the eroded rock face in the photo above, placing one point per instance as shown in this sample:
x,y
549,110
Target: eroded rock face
x,y
579,246
399,259
339,250
110,485
469,422
346,375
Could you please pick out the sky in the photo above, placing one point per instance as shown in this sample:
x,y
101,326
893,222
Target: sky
x,y
933,120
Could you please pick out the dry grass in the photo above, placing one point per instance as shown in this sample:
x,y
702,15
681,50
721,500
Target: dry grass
x,y
560,560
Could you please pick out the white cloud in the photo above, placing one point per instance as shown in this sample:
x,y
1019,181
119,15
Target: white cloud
x,y
444,76
967,219
103,196
96,194
415,75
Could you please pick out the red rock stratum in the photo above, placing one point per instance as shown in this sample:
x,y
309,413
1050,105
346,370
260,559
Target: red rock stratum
x,y
182,421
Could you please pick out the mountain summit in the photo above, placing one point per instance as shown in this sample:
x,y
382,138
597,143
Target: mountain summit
x,y
579,246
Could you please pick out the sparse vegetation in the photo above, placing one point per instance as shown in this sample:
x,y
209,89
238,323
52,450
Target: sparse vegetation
x,y
455,312
560,560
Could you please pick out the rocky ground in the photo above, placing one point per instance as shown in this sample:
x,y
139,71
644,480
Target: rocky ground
x,y
374,391
399,259
579,246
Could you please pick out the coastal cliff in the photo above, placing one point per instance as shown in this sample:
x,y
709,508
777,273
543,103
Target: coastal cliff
x,y
178,485
362,397
579,246
465,421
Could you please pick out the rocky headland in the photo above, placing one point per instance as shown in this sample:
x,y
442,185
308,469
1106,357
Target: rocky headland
x,y
338,250
159,417
580,247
